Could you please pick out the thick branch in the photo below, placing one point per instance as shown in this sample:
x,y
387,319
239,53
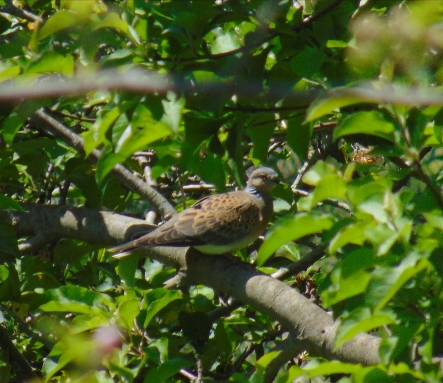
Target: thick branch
x,y
312,328
43,119
89,225
140,82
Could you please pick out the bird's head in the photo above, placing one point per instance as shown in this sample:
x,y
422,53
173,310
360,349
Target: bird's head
x,y
263,179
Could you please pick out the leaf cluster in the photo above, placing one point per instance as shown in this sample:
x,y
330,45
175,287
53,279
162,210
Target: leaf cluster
x,y
343,98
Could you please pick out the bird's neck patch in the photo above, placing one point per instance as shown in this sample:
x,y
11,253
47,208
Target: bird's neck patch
x,y
253,191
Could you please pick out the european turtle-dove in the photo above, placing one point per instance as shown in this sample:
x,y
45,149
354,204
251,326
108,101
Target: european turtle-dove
x,y
217,224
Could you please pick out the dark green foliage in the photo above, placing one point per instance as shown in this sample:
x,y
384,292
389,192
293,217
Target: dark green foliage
x,y
347,93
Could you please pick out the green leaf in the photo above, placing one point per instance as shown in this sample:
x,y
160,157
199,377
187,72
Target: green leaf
x,y
7,203
225,42
196,327
106,163
143,130
298,136
10,127
224,339
261,364
159,304
371,123
8,73
290,230
336,44
112,20
331,102
126,270
8,239
348,286
360,321
10,284
317,172
354,233
96,135
127,312
260,135
166,370
83,323
58,21
386,282
340,97
331,186
53,62
173,108
78,300
308,61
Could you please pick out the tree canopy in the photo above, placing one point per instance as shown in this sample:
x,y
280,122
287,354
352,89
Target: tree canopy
x,y
116,114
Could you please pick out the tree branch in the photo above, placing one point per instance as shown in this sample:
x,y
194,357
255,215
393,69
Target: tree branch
x,y
139,82
21,366
21,13
302,264
313,329
42,118
89,225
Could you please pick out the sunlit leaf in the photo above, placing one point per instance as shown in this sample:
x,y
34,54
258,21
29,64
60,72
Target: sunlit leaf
x,y
290,230
53,62
127,312
365,123
60,20
360,321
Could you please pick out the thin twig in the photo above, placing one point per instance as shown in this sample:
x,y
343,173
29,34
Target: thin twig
x,y
279,119
253,109
340,204
199,187
301,172
45,194
73,117
147,170
64,192
21,13
311,18
199,369
182,192
301,265
188,375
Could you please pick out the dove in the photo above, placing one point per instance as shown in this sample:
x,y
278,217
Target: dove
x,y
216,224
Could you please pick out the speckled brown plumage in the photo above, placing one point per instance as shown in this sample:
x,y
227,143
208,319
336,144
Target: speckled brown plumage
x,y
216,224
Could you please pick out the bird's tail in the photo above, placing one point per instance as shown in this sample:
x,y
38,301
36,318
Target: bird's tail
x,y
124,250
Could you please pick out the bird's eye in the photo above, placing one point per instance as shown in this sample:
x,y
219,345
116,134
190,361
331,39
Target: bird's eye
x,y
263,178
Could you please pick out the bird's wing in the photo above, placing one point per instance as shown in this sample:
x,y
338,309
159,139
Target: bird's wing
x,y
214,220
220,219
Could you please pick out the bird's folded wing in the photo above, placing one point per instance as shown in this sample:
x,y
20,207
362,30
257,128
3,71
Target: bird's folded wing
x,y
221,219
216,220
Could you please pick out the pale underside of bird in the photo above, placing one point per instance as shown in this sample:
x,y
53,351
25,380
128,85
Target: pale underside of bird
x,y
217,224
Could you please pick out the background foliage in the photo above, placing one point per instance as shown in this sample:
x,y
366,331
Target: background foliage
x,y
342,97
